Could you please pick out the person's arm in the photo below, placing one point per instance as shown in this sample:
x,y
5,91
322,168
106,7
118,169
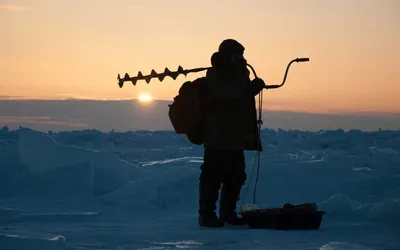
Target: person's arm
x,y
255,86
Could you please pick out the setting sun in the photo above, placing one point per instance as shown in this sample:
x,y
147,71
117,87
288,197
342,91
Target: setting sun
x,y
144,97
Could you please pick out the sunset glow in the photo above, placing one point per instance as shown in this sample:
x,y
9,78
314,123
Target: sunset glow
x,y
144,97
54,49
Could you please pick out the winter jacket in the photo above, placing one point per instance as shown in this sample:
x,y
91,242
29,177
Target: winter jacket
x,y
231,116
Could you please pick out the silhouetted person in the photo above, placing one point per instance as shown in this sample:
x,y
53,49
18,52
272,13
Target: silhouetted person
x,y
230,128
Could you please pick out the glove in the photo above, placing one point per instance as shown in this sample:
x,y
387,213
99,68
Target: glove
x,y
258,83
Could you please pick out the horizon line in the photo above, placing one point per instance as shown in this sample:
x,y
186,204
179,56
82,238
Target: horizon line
x,y
337,112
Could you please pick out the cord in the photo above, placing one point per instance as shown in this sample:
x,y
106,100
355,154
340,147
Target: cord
x,y
258,153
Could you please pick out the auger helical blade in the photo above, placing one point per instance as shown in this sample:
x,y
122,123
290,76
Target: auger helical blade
x,y
161,76
120,81
180,69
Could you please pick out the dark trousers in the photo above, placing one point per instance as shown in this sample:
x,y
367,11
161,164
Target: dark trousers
x,y
226,168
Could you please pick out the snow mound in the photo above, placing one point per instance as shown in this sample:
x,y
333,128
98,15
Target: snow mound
x,y
165,184
338,205
40,153
67,182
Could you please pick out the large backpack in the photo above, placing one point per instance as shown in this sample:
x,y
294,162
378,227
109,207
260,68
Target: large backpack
x,y
187,112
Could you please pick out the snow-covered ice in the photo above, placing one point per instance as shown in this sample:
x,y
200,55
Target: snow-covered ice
x,y
138,190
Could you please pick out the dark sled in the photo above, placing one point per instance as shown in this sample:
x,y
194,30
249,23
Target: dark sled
x,y
289,217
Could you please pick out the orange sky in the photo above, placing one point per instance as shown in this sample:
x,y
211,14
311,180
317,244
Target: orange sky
x,y
76,48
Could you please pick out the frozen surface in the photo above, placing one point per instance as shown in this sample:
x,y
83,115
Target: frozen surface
x,y
138,190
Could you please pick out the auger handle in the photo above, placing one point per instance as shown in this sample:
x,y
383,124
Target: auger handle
x,y
287,70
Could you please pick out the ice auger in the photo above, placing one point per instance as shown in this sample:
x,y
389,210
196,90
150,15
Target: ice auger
x,y
185,72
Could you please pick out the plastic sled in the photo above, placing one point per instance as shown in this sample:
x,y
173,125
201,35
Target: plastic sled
x,y
289,217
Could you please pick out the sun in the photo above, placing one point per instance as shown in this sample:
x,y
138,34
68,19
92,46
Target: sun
x,y
145,97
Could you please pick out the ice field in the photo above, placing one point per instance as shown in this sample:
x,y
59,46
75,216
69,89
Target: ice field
x,y
91,190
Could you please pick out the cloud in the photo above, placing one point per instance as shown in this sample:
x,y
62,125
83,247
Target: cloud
x,y
13,7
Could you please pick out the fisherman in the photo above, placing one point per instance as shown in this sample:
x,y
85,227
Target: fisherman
x,y
230,127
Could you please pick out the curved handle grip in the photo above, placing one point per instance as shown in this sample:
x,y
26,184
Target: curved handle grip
x,y
302,59
287,70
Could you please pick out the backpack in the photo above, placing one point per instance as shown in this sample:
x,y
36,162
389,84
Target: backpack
x,y
187,112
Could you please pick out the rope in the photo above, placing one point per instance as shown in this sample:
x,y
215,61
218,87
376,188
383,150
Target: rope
x,y
260,98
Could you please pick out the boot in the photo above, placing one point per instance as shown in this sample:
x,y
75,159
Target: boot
x,y
208,196
232,219
229,198
210,220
